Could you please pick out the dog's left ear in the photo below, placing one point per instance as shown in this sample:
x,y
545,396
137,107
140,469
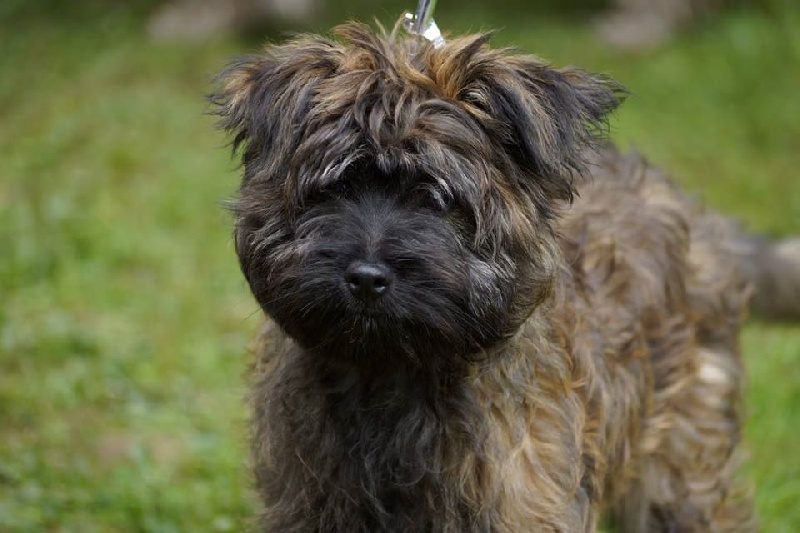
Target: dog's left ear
x,y
554,117
545,119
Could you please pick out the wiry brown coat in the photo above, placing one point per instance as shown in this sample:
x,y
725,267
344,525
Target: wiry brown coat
x,y
539,361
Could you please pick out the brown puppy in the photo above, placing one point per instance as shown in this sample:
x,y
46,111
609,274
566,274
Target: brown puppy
x,y
466,334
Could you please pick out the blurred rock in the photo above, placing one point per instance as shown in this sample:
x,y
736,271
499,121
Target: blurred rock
x,y
198,19
646,24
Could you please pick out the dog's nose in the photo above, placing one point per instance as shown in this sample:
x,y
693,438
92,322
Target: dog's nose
x,y
368,281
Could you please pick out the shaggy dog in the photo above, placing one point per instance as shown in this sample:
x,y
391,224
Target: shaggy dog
x,y
483,317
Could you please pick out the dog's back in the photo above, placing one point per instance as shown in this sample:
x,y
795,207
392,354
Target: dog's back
x,y
654,299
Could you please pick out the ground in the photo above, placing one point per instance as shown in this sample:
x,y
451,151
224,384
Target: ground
x,y
124,322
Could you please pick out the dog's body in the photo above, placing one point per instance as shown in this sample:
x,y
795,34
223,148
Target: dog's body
x,y
622,388
457,345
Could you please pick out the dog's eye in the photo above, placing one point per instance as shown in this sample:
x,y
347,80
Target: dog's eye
x,y
435,200
337,190
332,191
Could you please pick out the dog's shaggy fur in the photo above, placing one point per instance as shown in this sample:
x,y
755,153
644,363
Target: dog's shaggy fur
x,y
546,348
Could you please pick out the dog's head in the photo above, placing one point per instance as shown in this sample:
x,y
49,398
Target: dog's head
x,y
399,201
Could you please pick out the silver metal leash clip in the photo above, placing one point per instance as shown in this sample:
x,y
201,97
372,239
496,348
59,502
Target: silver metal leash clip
x,y
421,23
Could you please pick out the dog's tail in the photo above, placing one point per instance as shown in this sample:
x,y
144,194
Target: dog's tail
x,y
773,267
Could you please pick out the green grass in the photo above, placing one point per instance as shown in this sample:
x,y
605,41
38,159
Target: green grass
x,y
124,322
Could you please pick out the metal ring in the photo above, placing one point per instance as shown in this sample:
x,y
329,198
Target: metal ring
x,y
421,23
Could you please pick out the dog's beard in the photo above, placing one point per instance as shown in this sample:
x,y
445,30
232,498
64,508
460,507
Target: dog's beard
x,y
443,302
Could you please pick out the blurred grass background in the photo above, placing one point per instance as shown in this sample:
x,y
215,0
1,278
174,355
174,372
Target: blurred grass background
x,y
124,320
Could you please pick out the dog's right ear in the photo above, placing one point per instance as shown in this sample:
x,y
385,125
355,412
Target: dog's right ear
x,y
264,99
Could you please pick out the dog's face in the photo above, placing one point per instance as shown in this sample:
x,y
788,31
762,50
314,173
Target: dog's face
x,y
398,202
